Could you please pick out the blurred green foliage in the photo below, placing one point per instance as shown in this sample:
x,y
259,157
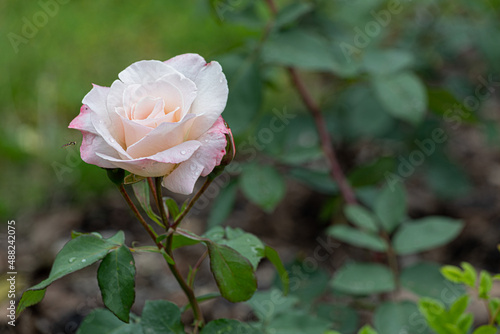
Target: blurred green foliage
x,y
430,54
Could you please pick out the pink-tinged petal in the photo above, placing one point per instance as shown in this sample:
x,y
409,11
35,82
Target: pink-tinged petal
x,y
158,164
189,64
83,121
96,100
164,136
93,141
183,178
211,98
144,71
91,144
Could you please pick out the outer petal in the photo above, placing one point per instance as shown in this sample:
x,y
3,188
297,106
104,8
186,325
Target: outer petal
x,y
102,117
145,71
189,64
91,141
211,99
156,165
183,178
83,121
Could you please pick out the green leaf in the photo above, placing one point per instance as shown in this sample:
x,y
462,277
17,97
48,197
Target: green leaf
x,y
486,329
223,205
181,240
266,305
372,173
343,318
469,274
299,48
392,317
452,274
245,84
390,206
246,244
309,283
297,322
318,180
141,191
465,322
435,314
291,13
229,326
363,279
485,284
457,309
118,238
403,95
272,255
132,178
361,217
173,208
233,273
425,280
116,277
425,234
357,237
30,298
161,317
76,254
103,321
493,306
367,329
262,185
380,62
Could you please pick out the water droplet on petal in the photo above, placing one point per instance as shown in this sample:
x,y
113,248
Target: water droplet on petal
x,y
183,152
198,155
100,121
112,140
72,259
83,260
192,167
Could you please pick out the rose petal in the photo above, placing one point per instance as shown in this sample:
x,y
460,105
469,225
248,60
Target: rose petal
x,y
96,100
134,131
166,135
145,71
158,164
189,64
108,120
148,107
83,121
183,178
211,98
93,141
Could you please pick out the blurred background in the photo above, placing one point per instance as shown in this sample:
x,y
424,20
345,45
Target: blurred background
x,y
440,61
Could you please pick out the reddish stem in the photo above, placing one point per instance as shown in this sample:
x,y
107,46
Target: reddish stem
x,y
326,142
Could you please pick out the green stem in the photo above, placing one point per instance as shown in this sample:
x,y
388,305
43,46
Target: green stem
x,y
159,200
132,206
193,200
188,291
